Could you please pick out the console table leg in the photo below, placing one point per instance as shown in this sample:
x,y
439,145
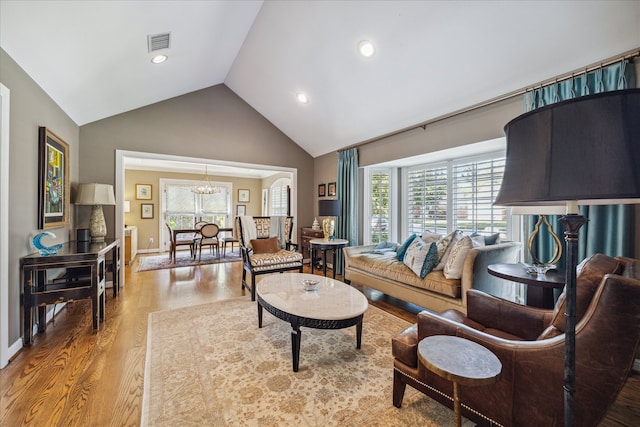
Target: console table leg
x,y
359,334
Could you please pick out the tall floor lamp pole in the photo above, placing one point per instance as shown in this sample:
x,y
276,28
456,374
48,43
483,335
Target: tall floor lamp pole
x,y
582,151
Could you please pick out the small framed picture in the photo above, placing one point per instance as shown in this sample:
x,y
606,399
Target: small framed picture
x,y
241,210
322,190
143,192
331,189
243,196
146,211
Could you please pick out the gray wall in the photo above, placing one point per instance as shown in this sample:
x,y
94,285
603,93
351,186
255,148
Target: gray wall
x,y
212,123
30,108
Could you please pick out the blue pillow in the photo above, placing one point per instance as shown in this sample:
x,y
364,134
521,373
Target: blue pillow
x,y
421,257
402,249
391,246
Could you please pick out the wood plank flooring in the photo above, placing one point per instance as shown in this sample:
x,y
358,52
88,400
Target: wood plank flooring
x,y
71,376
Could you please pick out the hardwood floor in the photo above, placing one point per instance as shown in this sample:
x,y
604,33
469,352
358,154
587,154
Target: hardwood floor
x,y
73,377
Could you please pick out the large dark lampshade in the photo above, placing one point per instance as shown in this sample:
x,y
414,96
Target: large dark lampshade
x,y
581,151
330,209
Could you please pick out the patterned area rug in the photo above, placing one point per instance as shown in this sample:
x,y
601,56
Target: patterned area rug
x,y
158,262
210,365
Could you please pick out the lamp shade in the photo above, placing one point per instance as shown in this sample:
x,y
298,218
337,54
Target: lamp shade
x,y
95,194
329,208
585,149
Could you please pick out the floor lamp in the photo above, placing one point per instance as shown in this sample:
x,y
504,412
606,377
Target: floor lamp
x,y
577,152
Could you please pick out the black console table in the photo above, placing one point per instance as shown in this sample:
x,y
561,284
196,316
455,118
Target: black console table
x,y
79,270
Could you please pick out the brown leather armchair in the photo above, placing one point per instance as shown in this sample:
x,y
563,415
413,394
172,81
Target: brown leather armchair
x,y
530,345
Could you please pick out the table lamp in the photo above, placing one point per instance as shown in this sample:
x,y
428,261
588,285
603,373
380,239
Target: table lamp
x,y
577,152
96,195
542,212
329,209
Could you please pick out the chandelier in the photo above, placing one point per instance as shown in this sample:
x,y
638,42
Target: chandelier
x,y
204,186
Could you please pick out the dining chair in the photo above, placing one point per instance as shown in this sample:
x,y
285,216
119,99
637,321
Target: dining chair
x,y
175,242
229,240
209,237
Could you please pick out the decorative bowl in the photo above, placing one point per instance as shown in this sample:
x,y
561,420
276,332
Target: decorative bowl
x,y
309,284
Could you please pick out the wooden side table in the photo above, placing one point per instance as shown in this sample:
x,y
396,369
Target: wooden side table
x,y
324,246
546,282
460,361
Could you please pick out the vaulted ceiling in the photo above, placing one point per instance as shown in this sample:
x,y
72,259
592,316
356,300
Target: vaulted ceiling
x,y
432,57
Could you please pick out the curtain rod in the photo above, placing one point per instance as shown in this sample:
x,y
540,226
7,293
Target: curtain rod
x,y
619,58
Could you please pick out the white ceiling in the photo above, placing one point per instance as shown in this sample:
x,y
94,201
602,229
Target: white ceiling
x,y
432,58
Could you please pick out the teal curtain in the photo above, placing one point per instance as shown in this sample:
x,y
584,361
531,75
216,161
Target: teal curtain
x,y
610,229
347,193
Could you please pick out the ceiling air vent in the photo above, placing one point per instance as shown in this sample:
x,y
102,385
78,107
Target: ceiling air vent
x,y
159,41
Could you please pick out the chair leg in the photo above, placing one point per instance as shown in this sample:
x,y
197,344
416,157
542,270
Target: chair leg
x,y
399,387
253,287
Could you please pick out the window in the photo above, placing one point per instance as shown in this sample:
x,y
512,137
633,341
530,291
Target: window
x,y
183,208
378,209
455,195
279,203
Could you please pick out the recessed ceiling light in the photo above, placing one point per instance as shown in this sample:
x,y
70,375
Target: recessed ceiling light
x,y
159,59
302,98
366,48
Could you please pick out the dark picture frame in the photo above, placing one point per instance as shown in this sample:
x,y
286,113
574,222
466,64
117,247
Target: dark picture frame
x,y
143,192
146,211
243,195
331,189
53,180
322,190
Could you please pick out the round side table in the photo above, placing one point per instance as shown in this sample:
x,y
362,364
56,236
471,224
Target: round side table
x,y
324,246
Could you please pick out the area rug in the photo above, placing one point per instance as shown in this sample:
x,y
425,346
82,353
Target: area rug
x,y
158,262
210,365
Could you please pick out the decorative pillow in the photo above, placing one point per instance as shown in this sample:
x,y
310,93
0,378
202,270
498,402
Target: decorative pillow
x,y
430,237
444,247
421,257
265,246
403,247
455,260
494,239
391,246
477,241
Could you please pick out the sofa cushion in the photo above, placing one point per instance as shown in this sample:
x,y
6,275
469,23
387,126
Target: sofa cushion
x,y
455,260
389,267
589,275
402,249
421,257
280,259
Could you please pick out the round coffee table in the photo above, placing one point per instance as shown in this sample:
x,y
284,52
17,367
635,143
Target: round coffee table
x,y
460,361
333,305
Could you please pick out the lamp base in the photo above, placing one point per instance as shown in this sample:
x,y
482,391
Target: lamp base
x,y
328,228
97,225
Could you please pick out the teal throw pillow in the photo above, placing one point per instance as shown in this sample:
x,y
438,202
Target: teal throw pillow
x,y
421,257
402,249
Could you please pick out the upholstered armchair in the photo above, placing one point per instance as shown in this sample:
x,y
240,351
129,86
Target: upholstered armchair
x,y
530,345
266,247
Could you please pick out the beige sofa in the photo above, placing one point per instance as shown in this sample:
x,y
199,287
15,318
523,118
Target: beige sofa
x,y
387,274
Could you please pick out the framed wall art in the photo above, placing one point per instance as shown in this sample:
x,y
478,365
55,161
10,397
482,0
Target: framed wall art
x,y
146,211
243,196
322,190
143,191
53,180
241,210
331,189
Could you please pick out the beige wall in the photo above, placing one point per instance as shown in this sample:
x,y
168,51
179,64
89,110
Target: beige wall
x,y
30,108
211,123
151,227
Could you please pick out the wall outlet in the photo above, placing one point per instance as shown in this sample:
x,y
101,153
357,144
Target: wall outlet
x,y
150,240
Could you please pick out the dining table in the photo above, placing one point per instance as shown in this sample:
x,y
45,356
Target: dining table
x,y
194,232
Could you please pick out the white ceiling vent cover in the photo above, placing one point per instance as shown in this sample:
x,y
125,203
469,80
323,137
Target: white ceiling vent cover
x,y
159,41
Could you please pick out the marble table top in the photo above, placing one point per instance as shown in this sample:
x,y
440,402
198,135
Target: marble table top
x,y
332,300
